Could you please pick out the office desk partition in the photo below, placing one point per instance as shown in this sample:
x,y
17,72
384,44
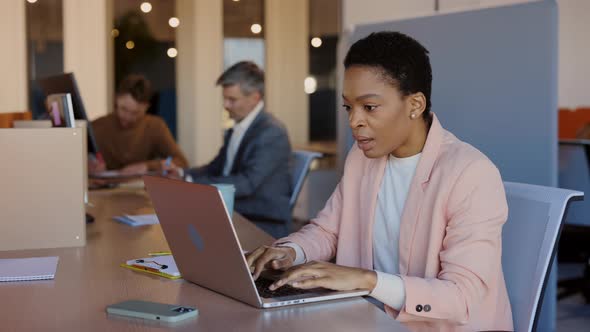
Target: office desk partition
x,y
89,278
42,181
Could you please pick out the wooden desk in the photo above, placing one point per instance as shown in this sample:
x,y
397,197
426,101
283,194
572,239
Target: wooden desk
x,y
89,278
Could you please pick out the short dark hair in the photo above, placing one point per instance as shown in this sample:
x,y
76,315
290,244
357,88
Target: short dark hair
x,y
402,60
137,86
245,73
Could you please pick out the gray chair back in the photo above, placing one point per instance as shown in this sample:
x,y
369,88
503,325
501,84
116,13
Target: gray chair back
x,y
301,163
529,240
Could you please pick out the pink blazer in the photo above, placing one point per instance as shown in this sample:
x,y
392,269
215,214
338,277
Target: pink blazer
x,y
450,242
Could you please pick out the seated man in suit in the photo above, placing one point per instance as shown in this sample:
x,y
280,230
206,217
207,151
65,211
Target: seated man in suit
x,y
131,140
256,153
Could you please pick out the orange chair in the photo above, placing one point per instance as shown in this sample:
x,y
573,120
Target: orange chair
x,y
571,121
585,121
7,119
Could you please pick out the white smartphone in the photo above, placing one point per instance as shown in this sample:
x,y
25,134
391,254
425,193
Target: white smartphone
x,y
153,311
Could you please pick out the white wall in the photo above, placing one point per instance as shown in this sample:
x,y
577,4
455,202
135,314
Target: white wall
x,y
356,12
13,59
457,5
574,53
574,26
87,49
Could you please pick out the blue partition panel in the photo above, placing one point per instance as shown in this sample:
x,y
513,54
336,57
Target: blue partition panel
x,y
495,82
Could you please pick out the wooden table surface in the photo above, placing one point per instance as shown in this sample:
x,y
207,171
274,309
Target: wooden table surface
x,y
89,278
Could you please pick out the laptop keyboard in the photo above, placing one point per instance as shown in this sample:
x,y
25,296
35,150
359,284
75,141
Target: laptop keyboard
x,y
262,285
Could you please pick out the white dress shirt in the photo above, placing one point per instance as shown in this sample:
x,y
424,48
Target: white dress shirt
x,y
391,200
239,130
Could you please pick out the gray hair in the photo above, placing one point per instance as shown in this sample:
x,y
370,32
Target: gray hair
x,y
245,73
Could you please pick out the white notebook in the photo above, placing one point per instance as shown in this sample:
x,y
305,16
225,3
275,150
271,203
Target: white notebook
x,y
138,220
25,269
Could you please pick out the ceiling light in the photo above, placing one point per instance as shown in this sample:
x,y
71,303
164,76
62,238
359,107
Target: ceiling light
x,y
172,52
310,85
256,28
146,7
316,42
174,22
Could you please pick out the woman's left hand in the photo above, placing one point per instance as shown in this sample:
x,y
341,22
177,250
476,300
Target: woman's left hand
x,y
327,275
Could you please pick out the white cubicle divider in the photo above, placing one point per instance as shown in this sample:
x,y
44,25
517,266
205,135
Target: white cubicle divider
x,y
42,180
32,124
48,124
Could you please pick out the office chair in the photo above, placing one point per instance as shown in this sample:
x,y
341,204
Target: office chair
x,y
529,240
574,174
301,163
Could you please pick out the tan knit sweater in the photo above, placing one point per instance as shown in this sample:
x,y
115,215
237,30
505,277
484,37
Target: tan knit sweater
x,y
148,141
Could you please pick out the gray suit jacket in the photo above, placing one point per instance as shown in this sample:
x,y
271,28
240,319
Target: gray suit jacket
x,y
261,171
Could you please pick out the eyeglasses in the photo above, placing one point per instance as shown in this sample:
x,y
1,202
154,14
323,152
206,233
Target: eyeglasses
x,y
162,266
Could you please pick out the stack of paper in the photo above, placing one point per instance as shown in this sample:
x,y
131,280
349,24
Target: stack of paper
x,y
138,220
24,269
114,174
164,266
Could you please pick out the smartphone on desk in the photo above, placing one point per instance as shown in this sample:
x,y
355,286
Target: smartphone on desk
x,y
152,310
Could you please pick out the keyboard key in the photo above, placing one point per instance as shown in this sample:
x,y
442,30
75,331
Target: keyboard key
x,y
286,290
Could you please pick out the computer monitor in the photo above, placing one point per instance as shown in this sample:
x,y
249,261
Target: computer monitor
x,y
66,83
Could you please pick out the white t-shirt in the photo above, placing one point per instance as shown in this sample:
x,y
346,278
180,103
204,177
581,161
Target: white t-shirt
x,y
391,200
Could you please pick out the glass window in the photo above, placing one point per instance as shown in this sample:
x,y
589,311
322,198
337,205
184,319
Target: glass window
x,y
324,20
243,31
44,24
144,43
243,36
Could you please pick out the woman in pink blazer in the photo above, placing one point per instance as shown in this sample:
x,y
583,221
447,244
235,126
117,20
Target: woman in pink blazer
x,y
417,216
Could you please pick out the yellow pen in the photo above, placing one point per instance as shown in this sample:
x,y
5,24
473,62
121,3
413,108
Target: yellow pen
x,y
160,253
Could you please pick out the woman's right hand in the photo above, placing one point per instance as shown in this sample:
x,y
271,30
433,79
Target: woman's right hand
x,y
265,257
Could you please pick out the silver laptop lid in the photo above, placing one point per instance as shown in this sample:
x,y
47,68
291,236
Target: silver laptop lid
x,y
201,237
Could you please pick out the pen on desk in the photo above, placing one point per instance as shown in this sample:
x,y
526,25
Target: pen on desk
x,y
146,268
167,164
160,253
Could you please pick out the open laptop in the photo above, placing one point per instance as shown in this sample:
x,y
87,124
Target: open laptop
x,y
206,249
